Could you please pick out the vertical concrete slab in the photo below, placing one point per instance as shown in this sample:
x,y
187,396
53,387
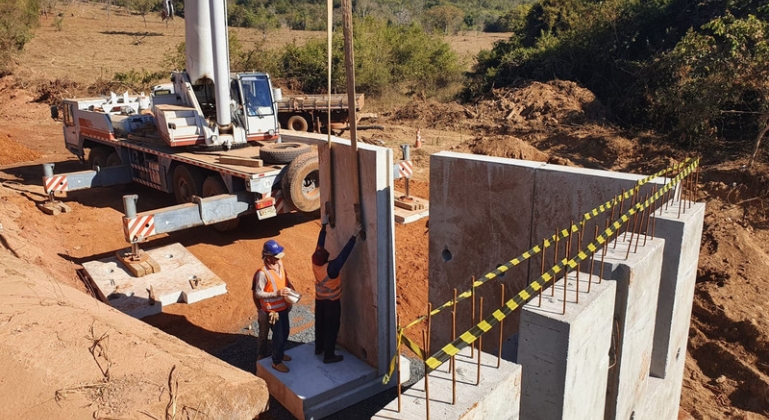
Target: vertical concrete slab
x,y
638,279
480,217
564,194
679,273
565,358
368,299
496,397
312,389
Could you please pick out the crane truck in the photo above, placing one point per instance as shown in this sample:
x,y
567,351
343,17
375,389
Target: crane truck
x,y
213,141
215,134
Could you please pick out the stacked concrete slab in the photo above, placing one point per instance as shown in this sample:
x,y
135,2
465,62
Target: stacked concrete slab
x,y
368,292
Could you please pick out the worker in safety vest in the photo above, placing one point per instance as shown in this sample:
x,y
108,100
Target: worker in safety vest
x,y
263,324
328,290
271,286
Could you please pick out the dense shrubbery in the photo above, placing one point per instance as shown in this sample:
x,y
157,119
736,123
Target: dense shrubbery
x,y
17,18
692,68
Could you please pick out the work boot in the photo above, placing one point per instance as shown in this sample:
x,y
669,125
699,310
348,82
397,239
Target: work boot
x,y
336,359
280,367
286,358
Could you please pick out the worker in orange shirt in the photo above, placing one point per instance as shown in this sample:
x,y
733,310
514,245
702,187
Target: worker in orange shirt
x,y
328,290
271,286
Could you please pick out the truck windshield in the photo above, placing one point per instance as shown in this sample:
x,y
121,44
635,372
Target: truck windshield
x,y
258,97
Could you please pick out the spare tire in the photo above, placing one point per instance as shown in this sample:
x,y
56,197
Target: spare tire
x,y
282,153
301,183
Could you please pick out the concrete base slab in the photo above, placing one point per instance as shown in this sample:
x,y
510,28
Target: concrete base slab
x,y
131,295
496,397
313,390
55,208
403,215
565,357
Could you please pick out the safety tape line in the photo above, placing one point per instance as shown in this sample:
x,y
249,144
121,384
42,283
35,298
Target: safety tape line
x,y
469,336
527,293
546,243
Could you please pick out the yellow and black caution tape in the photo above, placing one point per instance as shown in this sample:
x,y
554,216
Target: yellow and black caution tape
x,y
469,336
546,243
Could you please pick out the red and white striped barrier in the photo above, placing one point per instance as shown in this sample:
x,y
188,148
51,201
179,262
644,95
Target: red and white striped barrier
x,y
56,183
405,168
139,227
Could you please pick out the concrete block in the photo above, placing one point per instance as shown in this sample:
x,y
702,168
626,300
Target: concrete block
x,y
368,327
671,333
565,357
682,235
638,279
480,217
131,295
313,390
496,397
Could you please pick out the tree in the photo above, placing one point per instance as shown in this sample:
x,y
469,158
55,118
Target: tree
x,y
720,74
143,8
447,18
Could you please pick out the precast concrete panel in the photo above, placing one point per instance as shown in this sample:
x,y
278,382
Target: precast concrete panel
x,y
564,194
368,277
565,357
682,236
638,280
480,217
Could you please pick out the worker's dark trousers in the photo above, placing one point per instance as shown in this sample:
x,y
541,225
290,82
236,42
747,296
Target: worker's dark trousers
x,y
263,323
327,313
280,332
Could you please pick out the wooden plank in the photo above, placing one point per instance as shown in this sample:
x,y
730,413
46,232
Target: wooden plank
x,y
242,161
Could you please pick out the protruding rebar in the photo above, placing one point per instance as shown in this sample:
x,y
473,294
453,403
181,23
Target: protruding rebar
x,y
640,225
632,232
566,271
603,256
425,343
472,316
501,328
542,272
621,205
697,180
480,343
398,363
592,261
579,264
555,261
453,358
649,210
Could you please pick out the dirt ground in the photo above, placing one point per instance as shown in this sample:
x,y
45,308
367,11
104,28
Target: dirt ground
x,y
559,122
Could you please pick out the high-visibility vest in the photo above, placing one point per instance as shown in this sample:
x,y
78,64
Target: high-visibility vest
x,y
326,288
276,281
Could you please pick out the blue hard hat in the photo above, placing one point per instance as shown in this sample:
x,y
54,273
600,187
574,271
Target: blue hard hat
x,y
273,249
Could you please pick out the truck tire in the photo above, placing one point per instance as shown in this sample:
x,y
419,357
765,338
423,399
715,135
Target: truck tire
x,y
297,123
282,153
114,159
213,185
301,183
97,156
188,181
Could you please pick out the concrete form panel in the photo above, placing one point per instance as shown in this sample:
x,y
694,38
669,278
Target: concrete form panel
x,y
368,299
638,279
565,357
496,397
480,217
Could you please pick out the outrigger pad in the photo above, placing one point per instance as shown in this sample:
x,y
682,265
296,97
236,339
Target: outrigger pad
x,y
138,267
54,208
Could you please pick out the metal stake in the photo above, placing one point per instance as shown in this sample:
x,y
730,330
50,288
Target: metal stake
x,y
542,272
579,264
453,358
555,262
398,364
621,205
592,261
425,343
632,232
472,316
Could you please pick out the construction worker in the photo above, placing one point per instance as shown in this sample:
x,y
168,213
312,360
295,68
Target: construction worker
x,y
328,290
271,286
